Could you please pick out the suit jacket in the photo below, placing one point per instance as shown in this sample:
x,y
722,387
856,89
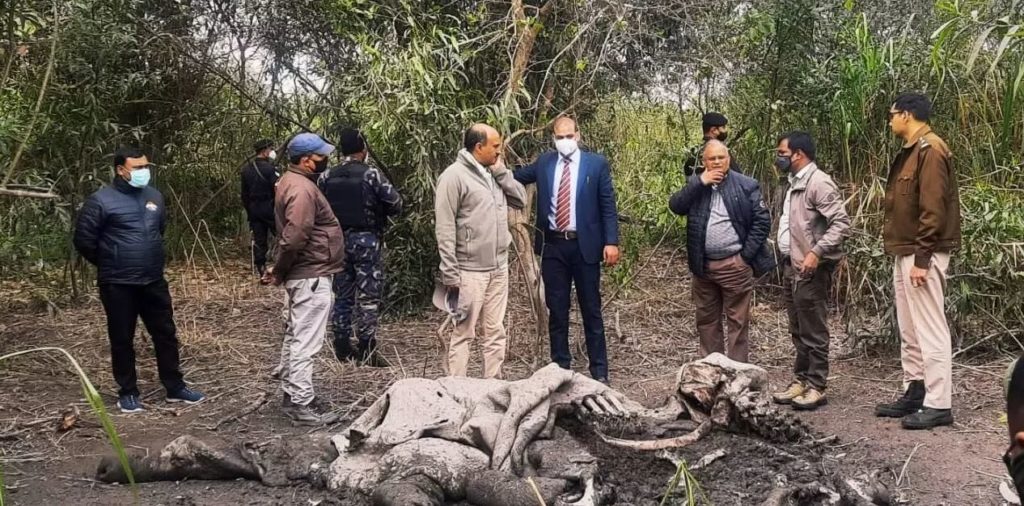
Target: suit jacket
x,y
597,219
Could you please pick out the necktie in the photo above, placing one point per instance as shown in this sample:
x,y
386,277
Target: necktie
x,y
562,204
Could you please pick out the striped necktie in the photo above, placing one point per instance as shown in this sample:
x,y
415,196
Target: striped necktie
x,y
562,207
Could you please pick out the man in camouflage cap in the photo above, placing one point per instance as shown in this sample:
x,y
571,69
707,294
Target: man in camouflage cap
x,y
362,198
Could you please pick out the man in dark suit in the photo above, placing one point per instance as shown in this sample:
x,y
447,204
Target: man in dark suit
x,y
577,227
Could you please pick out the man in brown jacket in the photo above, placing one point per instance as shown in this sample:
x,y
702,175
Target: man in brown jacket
x,y
812,228
922,227
310,252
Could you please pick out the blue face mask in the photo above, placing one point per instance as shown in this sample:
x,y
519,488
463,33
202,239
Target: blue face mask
x,y
140,177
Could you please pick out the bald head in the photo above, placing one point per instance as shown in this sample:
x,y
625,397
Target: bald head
x,y
716,156
483,142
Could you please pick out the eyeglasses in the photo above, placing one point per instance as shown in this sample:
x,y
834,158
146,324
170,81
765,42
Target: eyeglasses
x,y
894,113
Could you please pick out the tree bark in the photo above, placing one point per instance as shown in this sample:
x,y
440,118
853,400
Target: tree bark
x,y
519,220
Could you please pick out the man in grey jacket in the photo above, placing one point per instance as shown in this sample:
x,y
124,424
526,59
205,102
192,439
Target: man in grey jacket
x,y
812,228
471,211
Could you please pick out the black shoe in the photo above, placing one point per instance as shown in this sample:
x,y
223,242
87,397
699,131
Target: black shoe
x,y
912,400
343,349
928,418
369,356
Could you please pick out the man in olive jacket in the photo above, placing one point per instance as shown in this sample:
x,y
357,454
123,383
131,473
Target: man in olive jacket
x,y
922,228
471,211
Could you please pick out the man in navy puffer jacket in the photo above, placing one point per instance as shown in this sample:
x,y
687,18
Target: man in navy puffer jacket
x,y
120,230
726,227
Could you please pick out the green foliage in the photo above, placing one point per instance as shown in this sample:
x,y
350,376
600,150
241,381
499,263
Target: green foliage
x,y
196,83
835,73
691,487
644,143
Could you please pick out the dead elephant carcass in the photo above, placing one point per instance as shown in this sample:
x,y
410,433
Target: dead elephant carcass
x,y
489,442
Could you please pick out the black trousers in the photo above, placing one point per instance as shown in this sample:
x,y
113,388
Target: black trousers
x,y
807,306
261,230
562,265
124,304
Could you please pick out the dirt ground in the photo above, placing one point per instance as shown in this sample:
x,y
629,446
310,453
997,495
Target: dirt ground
x,y
229,328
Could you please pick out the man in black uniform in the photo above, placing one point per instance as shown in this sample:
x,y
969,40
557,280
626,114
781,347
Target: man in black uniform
x,y
258,178
362,198
715,126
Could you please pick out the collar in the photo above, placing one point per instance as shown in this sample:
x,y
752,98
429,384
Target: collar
x,y
469,161
575,157
122,185
799,180
921,132
469,158
307,175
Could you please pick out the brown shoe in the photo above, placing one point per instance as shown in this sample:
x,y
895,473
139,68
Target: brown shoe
x,y
811,399
795,389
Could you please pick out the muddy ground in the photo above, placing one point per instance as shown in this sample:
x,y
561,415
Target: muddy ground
x,y
229,329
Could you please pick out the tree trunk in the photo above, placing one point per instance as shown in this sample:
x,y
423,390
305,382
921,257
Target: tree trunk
x,y
519,220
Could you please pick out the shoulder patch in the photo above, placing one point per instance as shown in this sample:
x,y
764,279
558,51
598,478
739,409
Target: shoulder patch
x,y
923,143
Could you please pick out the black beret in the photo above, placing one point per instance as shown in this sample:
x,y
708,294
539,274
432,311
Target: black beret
x,y
351,141
262,144
714,119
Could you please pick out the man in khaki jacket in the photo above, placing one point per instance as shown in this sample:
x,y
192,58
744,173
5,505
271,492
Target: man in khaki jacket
x,y
471,208
812,228
922,227
310,251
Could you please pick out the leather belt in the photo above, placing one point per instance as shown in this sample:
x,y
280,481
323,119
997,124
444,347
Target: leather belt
x,y
562,236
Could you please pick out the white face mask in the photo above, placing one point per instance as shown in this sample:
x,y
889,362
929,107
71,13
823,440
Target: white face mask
x,y
272,155
566,146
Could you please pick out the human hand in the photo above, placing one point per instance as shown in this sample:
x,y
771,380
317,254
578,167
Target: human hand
x,y
918,276
269,278
710,177
611,255
497,166
810,265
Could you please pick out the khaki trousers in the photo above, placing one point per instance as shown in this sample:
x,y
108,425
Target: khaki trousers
x,y
927,350
484,295
726,287
309,305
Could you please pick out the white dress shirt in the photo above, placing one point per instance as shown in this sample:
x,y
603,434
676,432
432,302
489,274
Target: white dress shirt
x,y
574,166
784,235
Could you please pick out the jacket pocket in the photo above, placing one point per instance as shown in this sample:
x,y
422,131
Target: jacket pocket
x,y
906,185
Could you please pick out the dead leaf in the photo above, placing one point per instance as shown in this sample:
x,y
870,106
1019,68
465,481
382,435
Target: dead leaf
x,y
68,419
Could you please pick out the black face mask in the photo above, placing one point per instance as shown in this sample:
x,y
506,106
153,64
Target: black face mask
x,y
1015,466
783,162
321,166
722,136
